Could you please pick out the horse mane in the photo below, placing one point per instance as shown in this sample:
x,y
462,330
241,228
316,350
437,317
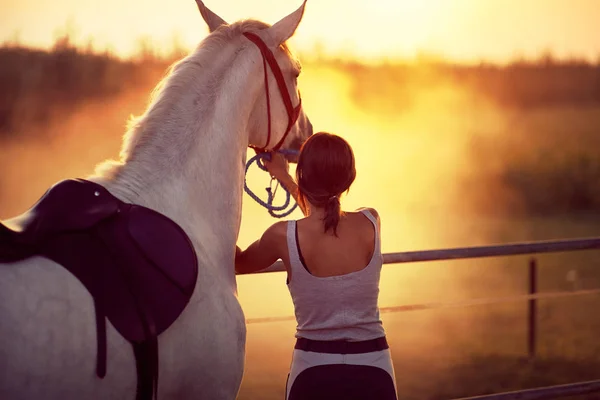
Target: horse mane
x,y
179,76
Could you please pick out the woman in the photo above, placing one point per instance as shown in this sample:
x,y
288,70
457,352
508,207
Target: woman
x,y
333,261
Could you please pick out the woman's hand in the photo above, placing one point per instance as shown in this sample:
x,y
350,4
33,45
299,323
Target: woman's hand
x,y
278,167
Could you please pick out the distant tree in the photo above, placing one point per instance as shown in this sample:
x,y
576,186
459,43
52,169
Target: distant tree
x,y
89,47
178,49
14,41
64,38
145,50
547,59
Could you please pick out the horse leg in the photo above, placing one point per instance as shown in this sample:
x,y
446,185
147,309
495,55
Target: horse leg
x,y
202,353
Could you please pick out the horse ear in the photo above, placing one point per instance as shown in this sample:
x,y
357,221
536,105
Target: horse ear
x,y
284,29
212,20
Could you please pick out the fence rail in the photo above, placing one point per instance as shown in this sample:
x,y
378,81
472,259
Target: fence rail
x,y
550,392
510,249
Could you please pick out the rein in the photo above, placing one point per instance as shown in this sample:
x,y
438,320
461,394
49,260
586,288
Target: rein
x,y
263,152
273,210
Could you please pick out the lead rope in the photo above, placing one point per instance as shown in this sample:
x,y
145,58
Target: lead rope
x,y
273,210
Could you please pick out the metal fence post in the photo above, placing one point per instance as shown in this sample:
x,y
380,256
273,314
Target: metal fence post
x,y
532,309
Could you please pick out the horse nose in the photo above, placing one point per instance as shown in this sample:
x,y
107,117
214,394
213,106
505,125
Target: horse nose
x,y
297,143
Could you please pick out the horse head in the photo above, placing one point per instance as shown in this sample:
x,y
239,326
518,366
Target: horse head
x,y
277,120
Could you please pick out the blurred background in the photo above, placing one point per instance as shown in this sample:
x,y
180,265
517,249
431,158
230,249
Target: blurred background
x,y
473,122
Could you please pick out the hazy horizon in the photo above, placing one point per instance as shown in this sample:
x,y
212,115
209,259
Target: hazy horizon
x,y
461,31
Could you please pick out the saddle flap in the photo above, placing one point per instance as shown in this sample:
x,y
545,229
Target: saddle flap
x,y
167,246
139,266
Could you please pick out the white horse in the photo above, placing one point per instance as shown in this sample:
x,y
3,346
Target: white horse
x,y
184,157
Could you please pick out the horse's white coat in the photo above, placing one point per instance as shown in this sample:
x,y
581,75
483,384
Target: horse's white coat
x,y
184,158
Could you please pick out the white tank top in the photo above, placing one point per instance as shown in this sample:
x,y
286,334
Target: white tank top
x,y
342,307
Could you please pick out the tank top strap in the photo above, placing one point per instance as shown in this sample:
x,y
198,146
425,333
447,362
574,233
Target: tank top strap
x,y
293,252
373,220
368,214
291,239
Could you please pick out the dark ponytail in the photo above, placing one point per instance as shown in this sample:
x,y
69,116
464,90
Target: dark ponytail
x,y
333,212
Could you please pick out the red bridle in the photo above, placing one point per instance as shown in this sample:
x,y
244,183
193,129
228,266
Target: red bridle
x,y
292,112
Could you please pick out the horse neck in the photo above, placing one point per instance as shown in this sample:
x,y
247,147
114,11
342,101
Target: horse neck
x,y
198,182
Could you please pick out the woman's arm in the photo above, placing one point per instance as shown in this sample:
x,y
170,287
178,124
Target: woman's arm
x,y
290,185
264,252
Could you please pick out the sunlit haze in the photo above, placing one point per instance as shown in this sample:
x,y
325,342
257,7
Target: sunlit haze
x,y
462,30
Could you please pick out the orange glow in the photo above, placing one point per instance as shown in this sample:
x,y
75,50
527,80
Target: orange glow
x,y
413,140
464,30
406,162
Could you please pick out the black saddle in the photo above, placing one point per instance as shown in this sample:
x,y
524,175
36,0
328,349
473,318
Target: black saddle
x,y
139,266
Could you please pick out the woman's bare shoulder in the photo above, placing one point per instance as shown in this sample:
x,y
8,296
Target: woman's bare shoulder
x,y
277,230
371,210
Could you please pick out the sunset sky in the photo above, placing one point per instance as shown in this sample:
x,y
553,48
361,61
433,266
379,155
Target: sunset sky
x,y
462,30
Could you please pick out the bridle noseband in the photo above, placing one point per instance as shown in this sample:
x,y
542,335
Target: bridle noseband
x,y
292,112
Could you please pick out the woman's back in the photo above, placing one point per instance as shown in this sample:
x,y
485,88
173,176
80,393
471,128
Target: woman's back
x,y
327,255
334,281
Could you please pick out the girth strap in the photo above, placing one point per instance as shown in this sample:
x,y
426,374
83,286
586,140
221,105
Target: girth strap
x,y
100,341
146,361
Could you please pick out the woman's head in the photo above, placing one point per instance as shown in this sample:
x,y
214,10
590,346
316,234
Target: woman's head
x,y
325,170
